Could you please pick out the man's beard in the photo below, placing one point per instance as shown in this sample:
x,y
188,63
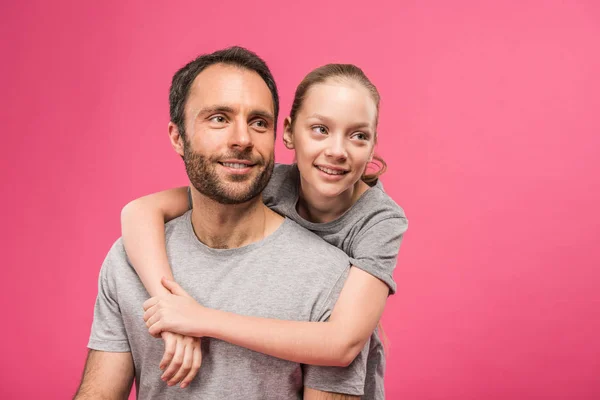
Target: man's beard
x,y
203,175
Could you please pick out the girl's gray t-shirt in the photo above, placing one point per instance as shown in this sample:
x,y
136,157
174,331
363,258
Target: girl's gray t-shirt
x,y
370,233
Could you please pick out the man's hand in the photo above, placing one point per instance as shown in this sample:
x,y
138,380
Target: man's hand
x,y
183,357
181,360
177,312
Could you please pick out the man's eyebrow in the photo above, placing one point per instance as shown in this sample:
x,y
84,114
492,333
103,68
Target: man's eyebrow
x,y
264,114
214,109
227,109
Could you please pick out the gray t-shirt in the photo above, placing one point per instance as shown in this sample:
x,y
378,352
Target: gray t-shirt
x,y
291,275
370,232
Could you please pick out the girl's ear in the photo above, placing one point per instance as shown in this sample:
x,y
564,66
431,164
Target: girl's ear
x,y
288,135
373,149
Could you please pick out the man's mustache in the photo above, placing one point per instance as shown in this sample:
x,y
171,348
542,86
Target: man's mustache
x,y
242,156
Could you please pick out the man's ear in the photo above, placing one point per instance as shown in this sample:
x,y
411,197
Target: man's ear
x,y
176,138
288,135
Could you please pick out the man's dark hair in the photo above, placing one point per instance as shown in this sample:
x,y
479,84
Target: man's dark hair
x,y
236,56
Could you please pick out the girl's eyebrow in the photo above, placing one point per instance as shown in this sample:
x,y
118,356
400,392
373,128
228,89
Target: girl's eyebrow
x,y
358,125
319,116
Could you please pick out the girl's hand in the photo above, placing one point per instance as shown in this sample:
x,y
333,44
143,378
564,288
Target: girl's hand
x,y
177,312
181,360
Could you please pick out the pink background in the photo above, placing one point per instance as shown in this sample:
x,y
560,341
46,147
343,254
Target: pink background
x,y
489,123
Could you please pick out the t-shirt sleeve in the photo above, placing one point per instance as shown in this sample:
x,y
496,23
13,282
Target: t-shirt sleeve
x,y
348,380
108,330
376,249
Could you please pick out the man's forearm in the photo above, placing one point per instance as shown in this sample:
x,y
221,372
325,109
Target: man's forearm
x,y
107,376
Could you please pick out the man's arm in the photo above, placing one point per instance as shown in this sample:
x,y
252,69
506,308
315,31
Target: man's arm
x,y
107,376
314,394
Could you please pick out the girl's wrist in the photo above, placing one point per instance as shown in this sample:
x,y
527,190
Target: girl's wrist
x,y
208,322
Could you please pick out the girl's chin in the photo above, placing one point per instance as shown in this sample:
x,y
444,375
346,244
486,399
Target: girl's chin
x,y
330,191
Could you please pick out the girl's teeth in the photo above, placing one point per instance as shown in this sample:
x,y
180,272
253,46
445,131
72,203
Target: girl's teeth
x,y
331,171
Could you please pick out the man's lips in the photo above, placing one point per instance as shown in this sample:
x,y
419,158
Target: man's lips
x,y
237,164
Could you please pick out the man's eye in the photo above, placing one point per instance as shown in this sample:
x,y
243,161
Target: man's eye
x,y
319,129
218,119
260,124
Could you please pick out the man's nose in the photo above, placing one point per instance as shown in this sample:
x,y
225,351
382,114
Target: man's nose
x,y
240,136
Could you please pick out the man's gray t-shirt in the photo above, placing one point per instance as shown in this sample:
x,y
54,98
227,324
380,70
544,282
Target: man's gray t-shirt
x,y
370,232
291,275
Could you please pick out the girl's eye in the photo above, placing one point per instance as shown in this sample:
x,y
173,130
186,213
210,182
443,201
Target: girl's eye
x,y
319,129
361,136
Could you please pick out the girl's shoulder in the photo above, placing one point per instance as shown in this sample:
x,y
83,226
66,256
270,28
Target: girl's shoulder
x,y
283,185
376,203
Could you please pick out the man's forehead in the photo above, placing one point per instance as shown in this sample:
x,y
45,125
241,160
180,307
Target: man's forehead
x,y
231,86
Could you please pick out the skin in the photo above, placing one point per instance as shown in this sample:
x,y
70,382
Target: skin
x,y
337,134
106,376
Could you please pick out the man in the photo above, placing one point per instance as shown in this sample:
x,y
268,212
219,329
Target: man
x,y
231,252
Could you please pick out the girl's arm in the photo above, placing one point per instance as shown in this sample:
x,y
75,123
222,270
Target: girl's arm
x,y
143,229
335,342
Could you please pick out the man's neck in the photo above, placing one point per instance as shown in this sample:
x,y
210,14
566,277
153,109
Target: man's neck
x,y
226,226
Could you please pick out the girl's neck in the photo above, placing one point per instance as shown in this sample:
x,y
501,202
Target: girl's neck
x,y
316,208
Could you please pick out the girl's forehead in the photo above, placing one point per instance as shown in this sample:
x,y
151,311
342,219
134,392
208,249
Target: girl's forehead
x,y
345,100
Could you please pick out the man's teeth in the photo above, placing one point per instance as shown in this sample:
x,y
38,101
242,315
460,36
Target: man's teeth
x,y
331,171
235,165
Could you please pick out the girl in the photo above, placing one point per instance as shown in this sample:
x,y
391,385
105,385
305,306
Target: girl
x,y
332,129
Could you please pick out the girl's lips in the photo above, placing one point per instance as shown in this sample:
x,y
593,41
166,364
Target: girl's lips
x,y
330,174
331,170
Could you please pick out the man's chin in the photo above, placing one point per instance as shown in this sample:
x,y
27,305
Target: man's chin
x,y
236,198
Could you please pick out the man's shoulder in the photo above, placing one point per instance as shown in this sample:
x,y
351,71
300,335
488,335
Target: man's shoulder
x,y
299,238
178,227
117,254
116,265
